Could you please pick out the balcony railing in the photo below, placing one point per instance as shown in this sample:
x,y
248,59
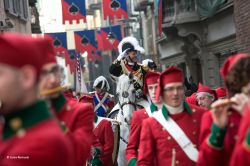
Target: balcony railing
x,y
180,12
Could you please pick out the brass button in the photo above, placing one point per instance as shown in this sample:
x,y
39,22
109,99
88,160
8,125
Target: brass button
x,y
194,133
21,133
236,137
163,129
68,108
194,110
231,125
169,138
177,162
15,123
194,120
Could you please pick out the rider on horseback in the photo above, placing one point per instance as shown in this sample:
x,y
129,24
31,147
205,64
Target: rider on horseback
x,y
126,63
102,100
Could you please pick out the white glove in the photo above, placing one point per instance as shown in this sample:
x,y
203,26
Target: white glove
x,y
119,58
145,62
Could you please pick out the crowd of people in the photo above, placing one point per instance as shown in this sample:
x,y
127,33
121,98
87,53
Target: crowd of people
x,y
43,123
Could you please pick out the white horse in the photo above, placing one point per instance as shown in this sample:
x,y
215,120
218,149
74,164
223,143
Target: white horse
x,y
126,105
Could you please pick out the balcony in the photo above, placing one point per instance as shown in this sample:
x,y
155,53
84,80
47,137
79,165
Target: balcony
x,y
180,12
142,4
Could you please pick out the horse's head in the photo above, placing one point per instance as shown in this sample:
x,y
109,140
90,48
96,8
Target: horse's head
x,y
126,95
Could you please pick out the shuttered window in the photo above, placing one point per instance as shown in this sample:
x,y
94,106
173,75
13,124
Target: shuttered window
x,y
17,8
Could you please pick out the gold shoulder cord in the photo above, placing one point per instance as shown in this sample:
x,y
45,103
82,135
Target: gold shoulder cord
x,y
137,73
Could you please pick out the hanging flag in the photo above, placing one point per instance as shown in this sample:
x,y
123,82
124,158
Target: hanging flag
x,y
115,8
85,41
59,42
109,37
70,59
73,10
160,17
100,40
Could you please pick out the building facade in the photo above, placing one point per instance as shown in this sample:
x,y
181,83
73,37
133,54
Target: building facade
x,y
15,16
199,38
241,12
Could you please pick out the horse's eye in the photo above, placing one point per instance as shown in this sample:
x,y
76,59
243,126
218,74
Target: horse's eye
x,y
133,91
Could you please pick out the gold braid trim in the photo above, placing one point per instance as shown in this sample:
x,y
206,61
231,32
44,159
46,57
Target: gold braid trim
x,y
137,73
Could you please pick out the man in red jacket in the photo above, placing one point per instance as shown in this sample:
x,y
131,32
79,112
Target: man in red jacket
x,y
220,125
205,96
170,137
241,153
76,118
30,134
103,131
150,85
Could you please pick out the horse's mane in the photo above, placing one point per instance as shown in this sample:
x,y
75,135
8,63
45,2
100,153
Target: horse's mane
x,y
122,83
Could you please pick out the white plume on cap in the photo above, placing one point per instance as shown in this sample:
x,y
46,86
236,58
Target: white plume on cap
x,y
132,40
101,79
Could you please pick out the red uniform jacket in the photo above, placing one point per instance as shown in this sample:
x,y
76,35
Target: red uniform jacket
x,y
31,137
157,146
134,135
210,154
241,153
78,119
103,131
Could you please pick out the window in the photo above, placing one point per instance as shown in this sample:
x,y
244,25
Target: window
x,y
17,8
23,9
9,6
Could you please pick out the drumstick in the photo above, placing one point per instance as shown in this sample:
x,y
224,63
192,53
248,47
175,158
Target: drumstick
x,y
222,103
54,90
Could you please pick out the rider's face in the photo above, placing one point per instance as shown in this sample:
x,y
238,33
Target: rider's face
x,y
152,92
100,91
133,55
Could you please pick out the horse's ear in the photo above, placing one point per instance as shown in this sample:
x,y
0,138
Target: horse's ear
x,y
130,76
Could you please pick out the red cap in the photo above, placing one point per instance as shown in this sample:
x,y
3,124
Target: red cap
x,y
170,75
203,88
221,92
51,56
192,99
230,62
149,79
20,50
86,99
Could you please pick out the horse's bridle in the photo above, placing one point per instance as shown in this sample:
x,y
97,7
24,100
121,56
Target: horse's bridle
x,y
127,103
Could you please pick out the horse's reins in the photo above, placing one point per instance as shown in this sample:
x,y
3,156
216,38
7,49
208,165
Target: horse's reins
x,y
126,103
121,106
